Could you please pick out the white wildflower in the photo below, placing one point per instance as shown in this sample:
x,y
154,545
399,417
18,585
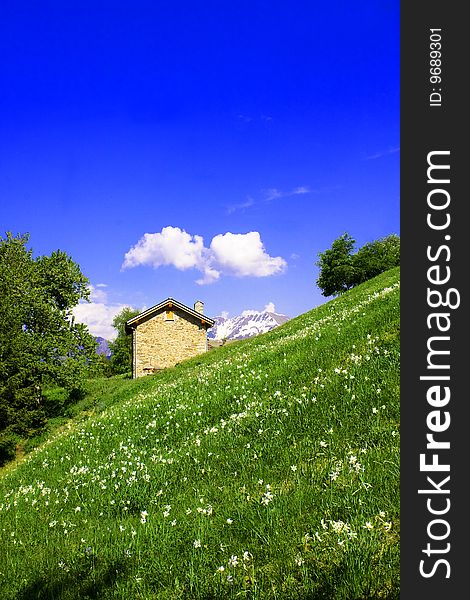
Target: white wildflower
x,y
233,561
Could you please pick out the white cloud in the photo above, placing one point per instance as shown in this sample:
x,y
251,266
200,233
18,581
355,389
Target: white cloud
x,y
99,317
210,275
268,195
234,207
249,312
240,255
172,246
249,118
98,314
303,189
270,307
391,150
245,118
272,194
98,295
243,255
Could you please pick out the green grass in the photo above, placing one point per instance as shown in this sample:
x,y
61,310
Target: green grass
x,y
268,468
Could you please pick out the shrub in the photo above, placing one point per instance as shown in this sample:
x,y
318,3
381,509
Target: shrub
x,y
7,448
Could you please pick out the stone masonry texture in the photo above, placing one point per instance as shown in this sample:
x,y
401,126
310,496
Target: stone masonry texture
x,y
159,342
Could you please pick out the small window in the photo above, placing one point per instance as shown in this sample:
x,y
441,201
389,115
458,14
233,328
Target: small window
x,y
169,316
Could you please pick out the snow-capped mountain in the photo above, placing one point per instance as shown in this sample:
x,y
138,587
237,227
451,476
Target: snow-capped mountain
x,y
103,347
248,324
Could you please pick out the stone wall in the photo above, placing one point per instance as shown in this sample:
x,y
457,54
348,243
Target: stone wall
x,y
159,342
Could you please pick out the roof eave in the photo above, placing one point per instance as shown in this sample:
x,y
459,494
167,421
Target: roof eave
x,y
135,321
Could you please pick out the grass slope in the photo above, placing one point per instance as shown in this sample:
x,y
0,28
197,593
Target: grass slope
x,y
268,468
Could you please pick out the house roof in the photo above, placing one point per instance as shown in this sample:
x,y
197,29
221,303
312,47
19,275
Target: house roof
x,y
170,303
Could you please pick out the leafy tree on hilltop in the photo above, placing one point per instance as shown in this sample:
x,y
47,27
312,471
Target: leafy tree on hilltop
x,y
340,269
121,347
376,257
39,341
336,266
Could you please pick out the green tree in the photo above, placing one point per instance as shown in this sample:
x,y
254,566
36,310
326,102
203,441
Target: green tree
x,y
376,257
341,269
121,347
336,267
40,343
102,368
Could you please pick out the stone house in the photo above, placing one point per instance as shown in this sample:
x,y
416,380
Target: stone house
x,y
166,334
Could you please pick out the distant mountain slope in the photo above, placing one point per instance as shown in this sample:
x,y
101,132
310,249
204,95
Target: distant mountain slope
x,y
248,324
103,346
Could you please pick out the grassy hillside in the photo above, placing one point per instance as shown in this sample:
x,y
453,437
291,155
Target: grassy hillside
x,y
268,468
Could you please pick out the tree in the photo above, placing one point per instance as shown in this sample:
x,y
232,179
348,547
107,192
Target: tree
x,y
341,270
39,341
376,257
121,347
336,267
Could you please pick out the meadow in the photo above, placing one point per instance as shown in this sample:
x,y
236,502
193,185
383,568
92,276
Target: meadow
x,y
264,469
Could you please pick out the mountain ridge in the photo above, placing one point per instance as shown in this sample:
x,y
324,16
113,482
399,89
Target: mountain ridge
x,y
248,324
103,346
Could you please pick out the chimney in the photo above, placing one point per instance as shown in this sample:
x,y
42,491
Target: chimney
x,y
199,306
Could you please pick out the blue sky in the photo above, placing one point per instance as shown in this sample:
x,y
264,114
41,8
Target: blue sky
x,y
200,150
